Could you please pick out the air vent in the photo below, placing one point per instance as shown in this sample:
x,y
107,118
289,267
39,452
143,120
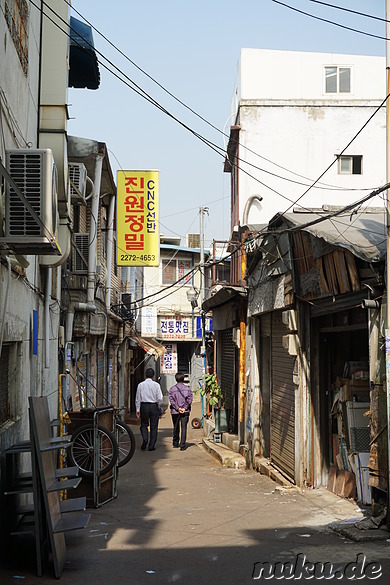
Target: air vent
x,y
77,182
80,253
193,240
35,173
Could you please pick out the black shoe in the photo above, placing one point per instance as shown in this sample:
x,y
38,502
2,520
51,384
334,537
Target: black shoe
x,y
176,445
152,449
183,448
143,446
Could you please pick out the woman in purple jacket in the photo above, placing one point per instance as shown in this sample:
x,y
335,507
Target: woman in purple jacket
x,y
180,399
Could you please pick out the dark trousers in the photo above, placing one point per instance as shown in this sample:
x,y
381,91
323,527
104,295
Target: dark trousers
x,y
180,422
149,417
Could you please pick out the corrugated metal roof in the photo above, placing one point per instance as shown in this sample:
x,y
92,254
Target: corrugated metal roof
x,y
363,233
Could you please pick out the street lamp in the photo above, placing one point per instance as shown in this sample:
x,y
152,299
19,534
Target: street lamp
x,y
192,296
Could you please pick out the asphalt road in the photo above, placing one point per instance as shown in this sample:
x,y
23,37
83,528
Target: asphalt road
x,y
181,518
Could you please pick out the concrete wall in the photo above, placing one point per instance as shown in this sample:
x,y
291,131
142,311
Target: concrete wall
x,y
27,373
286,118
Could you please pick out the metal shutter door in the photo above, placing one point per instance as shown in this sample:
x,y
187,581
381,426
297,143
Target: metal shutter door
x,y
282,401
228,358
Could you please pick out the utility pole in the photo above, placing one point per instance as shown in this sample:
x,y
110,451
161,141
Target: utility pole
x,y
388,256
202,211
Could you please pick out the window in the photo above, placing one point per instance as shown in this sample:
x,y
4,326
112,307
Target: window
x,y
337,79
350,165
173,270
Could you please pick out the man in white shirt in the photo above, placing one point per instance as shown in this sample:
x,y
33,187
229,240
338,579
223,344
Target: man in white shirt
x,y
147,403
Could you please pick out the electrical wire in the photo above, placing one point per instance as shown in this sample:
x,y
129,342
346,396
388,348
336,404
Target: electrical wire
x,y
151,100
344,149
350,10
216,148
326,186
361,32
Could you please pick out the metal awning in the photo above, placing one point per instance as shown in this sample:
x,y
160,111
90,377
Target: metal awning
x,y
151,346
83,62
224,295
363,233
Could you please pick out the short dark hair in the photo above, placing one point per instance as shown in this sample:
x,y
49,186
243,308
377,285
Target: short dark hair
x,y
179,377
149,373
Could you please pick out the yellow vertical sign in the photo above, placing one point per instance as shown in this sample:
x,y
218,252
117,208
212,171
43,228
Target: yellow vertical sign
x,y
138,242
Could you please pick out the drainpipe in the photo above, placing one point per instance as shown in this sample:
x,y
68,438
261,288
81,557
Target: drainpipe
x,y
241,387
110,238
47,316
92,254
5,305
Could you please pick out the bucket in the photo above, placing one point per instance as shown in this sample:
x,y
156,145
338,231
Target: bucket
x,y
222,418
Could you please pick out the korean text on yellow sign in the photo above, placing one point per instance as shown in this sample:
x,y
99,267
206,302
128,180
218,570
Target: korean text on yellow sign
x,y
137,218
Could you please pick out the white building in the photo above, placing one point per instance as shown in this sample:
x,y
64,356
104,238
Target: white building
x,y
168,316
293,113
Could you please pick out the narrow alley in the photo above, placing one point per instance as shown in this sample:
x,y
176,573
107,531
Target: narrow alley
x,y
182,518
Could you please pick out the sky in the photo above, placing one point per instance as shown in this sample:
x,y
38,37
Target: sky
x,y
192,50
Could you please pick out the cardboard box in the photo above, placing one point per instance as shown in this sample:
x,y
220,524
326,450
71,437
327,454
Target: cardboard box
x,y
358,388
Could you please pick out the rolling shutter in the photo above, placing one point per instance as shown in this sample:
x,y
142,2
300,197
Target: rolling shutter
x,y
282,401
228,361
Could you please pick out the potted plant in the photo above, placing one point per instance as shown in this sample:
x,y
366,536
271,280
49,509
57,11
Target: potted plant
x,y
216,399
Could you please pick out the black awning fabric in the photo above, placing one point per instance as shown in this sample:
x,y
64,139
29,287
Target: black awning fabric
x,y
83,64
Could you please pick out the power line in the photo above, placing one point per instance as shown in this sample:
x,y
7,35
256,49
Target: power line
x,y
344,149
350,10
331,21
196,113
137,89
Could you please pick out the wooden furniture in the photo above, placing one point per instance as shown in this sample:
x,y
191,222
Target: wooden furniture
x,y
47,518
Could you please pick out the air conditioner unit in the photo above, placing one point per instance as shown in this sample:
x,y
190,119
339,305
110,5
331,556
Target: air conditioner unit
x,y
77,174
34,173
80,253
193,240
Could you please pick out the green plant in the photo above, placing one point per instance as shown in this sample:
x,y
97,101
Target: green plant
x,y
212,391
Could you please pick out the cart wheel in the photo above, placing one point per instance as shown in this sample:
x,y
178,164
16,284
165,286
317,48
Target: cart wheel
x,y
196,423
81,452
126,443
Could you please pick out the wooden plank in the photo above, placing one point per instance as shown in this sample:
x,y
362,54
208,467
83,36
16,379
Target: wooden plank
x,y
352,270
321,274
306,240
299,255
341,271
330,273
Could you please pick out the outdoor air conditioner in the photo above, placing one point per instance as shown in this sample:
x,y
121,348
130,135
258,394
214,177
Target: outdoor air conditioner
x,y
80,251
77,174
193,240
35,174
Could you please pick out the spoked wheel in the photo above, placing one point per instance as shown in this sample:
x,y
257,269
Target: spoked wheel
x,y
196,423
126,443
82,450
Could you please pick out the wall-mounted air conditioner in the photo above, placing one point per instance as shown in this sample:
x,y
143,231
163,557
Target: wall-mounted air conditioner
x,y
34,173
77,174
80,251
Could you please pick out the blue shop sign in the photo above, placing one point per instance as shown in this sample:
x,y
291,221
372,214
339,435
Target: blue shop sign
x,y
208,326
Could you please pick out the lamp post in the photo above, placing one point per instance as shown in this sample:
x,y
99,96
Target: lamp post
x,y
192,296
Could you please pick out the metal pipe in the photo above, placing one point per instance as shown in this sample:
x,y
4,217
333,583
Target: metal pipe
x,y
242,387
47,316
110,239
5,305
388,260
93,231
370,304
